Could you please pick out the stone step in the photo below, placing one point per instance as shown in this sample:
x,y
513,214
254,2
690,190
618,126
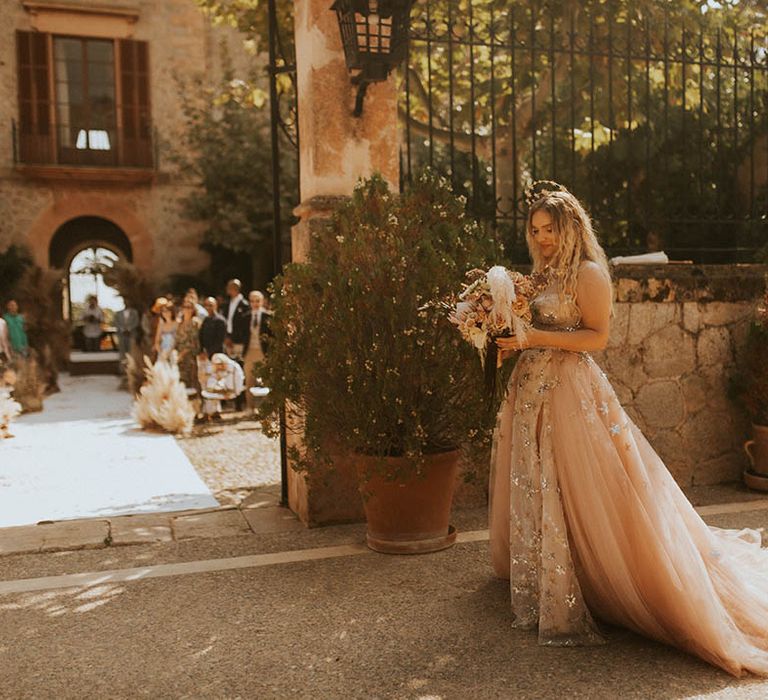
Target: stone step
x,y
81,363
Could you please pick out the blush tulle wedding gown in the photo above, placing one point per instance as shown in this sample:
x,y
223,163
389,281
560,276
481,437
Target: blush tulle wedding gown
x,y
585,520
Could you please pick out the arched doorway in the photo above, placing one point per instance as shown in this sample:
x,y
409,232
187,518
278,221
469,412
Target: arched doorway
x,y
82,248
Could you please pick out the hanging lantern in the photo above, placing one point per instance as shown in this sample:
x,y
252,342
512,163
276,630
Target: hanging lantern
x,y
375,37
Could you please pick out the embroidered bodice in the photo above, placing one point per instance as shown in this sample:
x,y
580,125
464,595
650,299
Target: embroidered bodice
x,y
552,312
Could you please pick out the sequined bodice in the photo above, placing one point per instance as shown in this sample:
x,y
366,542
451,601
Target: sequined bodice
x,y
551,312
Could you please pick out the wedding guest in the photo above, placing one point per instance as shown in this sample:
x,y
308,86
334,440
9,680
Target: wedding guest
x,y
213,330
257,340
92,319
149,321
236,311
221,379
5,343
192,295
188,344
17,329
165,335
127,324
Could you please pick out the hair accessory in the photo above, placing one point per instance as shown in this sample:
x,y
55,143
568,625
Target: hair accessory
x,y
538,188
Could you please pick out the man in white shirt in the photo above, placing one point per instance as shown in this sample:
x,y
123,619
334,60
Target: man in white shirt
x,y
236,312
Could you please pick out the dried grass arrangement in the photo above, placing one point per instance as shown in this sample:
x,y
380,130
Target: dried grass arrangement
x,y
162,403
9,408
133,373
29,388
39,291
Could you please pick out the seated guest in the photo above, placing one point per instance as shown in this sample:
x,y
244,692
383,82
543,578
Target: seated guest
x,y
221,379
213,329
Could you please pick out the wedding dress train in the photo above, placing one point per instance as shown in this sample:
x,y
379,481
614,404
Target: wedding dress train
x,y
586,520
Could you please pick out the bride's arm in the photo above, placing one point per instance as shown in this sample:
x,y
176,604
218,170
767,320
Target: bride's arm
x,y
593,297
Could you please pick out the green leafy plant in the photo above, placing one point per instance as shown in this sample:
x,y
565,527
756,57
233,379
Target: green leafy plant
x,y
749,385
375,369
14,260
225,148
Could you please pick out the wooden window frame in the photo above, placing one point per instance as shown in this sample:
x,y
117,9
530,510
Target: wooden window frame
x,y
42,150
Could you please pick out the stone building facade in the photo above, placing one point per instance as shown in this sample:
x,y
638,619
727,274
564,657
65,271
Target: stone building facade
x,y
90,107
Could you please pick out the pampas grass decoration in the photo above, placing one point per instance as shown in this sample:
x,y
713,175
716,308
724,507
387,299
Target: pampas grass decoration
x,y
9,409
29,388
133,371
162,403
39,293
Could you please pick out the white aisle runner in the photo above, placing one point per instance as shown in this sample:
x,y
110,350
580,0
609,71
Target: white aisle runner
x,y
83,457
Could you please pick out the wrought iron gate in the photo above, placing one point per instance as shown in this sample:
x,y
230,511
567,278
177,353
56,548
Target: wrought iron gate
x,y
283,97
657,117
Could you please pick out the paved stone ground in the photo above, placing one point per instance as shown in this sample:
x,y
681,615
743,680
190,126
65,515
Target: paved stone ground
x,y
233,457
356,625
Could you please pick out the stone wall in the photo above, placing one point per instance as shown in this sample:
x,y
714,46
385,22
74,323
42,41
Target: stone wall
x,y
675,338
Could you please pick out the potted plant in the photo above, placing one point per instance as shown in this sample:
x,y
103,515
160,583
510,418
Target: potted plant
x,y
750,388
380,375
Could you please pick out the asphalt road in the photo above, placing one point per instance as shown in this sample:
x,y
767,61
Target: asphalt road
x,y
362,626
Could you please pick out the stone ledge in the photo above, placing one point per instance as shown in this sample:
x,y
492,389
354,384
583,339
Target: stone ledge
x,y
687,282
55,537
262,516
140,529
226,523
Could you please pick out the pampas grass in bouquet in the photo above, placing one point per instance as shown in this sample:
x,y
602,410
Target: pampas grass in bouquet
x,y
162,403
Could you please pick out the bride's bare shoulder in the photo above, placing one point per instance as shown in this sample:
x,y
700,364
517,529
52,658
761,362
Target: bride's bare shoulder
x,y
591,273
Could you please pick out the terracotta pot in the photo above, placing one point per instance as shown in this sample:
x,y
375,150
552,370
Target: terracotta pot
x,y
757,450
408,516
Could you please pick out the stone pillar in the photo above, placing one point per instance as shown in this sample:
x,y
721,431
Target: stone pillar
x,y
336,150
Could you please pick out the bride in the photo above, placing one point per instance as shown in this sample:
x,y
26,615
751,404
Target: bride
x,y
585,520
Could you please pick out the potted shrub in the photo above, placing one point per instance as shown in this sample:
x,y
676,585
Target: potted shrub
x,y
750,388
381,376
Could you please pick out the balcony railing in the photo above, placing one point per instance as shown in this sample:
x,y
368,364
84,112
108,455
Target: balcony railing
x,y
65,145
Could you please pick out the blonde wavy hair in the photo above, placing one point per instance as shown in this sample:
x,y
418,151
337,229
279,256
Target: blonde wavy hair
x,y
575,239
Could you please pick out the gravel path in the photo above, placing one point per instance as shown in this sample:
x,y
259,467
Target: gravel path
x,y
233,457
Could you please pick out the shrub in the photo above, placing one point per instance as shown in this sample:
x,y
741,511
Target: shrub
x,y
374,370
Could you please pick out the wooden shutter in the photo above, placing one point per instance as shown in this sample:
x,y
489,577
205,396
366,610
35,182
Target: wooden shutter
x,y
35,128
134,110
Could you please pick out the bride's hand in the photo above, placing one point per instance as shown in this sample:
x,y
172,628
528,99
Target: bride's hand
x,y
511,344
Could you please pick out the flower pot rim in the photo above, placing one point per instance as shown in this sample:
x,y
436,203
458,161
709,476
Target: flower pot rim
x,y
444,451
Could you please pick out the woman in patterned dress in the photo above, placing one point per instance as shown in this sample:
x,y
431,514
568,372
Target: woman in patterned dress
x,y
188,344
586,522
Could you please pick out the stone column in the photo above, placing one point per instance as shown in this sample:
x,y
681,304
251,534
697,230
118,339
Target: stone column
x,y
336,150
